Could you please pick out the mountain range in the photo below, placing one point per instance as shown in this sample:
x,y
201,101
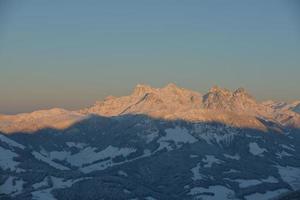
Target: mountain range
x,y
156,143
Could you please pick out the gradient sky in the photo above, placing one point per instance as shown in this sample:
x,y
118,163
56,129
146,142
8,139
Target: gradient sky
x,y
71,53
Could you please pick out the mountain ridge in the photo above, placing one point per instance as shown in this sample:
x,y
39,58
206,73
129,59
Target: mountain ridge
x,y
236,108
156,143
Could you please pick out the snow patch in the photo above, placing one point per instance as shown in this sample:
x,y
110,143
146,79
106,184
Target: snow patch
x,y
149,198
255,149
196,173
77,145
122,173
108,163
48,161
291,147
212,134
232,171
270,179
126,191
290,175
216,192
244,183
178,136
90,155
7,159
12,186
266,196
43,183
283,154
235,157
151,136
57,183
10,142
210,160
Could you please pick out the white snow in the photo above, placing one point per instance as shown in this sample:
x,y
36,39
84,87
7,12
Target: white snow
x,y
151,136
270,179
126,191
10,142
46,194
59,155
61,183
283,154
210,160
291,147
267,195
212,134
122,173
108,163
186,187
12,186
7,159
232,171
178,136
88,159
244,183
255,149
290,175
43,194
90,155
216,192
235,157
196,173
78,145
99,166
48,161
43,183
149,198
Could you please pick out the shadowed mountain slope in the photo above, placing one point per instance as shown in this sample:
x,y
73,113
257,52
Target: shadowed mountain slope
x,y
137,156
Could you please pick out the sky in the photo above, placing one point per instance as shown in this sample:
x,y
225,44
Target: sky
x,y
69,54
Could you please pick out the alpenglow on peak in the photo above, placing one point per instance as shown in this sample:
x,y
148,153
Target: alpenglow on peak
x,y
236,108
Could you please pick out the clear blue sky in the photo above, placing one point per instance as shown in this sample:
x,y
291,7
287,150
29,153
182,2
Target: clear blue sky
x,y
70,53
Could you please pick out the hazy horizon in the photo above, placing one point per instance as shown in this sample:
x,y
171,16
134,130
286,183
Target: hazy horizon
x,y
58,54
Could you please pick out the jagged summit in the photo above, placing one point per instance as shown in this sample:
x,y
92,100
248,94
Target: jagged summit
x,y
142,89
169,102
172,86
148,100
239,101
173,102
217,89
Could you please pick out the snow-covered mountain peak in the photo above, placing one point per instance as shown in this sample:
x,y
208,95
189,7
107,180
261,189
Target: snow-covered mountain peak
x,y
142,89
168,102
242,93
148,100
223,99
218,90
172,86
